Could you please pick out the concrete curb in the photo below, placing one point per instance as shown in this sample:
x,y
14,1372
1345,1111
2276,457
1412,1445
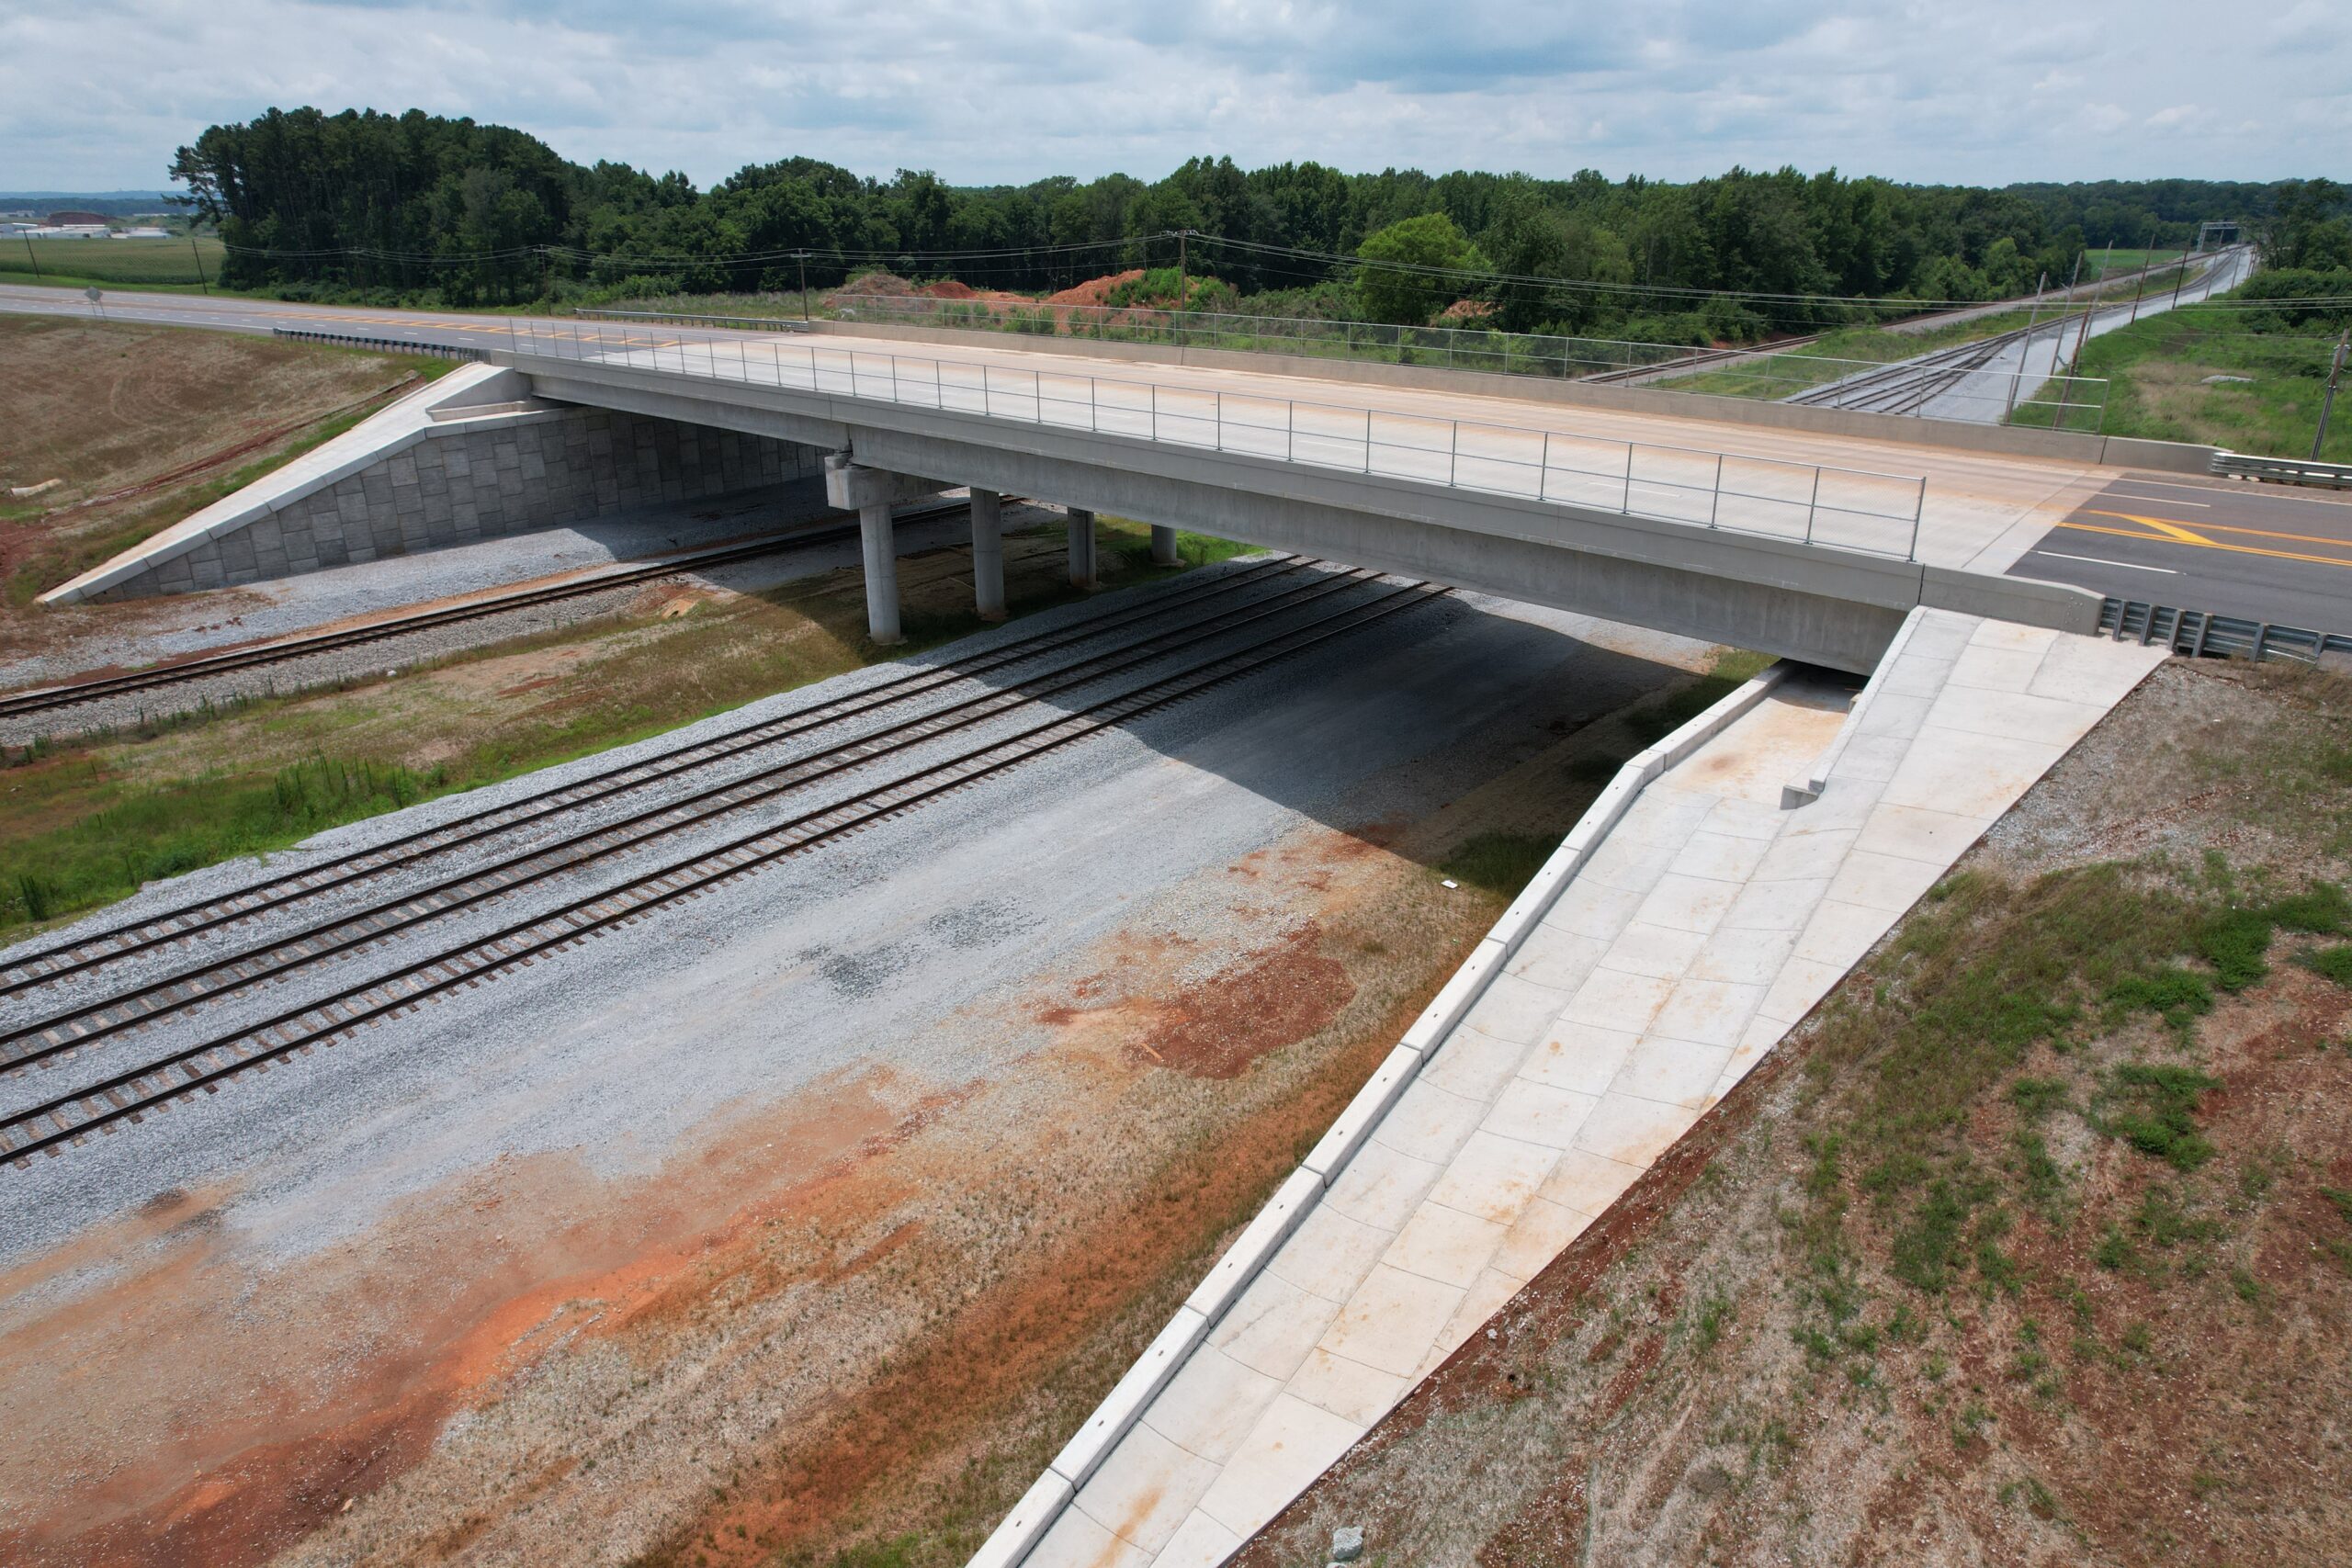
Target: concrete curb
x,y
1803,792
1020,1529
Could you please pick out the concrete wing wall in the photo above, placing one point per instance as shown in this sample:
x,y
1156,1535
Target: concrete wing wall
x,y
478,459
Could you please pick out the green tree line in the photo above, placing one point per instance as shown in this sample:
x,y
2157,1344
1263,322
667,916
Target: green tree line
x,y
419,207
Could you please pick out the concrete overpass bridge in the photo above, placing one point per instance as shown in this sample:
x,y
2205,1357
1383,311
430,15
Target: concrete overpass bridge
x,y
1811,543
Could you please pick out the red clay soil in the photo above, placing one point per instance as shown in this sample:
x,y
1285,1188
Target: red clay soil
x,y
1094,291
177,1394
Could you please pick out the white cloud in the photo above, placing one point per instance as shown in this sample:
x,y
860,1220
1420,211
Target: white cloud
x,y
990,90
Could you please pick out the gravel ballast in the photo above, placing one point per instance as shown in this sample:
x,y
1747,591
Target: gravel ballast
x,y
889,945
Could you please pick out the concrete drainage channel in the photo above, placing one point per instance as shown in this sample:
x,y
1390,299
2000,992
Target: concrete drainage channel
x,y
1043,1504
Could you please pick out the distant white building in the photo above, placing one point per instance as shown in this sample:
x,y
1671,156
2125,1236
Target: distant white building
x,y
142,233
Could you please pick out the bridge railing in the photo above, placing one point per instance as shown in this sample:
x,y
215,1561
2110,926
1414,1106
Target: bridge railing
x,y
1848,508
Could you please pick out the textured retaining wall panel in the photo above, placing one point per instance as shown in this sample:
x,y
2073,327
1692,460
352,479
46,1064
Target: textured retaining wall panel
x,y
460,485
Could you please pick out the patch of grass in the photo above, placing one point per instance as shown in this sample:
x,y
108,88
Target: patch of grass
x,y
2178,996
141,835
1500,863
2160,1113
2157,370
2333,962
2036,1098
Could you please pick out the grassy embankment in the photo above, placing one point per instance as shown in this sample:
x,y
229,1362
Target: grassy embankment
x,y
2157,372
110,408
2035,1247
87,822
112,264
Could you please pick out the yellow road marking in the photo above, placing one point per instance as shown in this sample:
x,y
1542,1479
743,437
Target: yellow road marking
x,y
2209,544
2187,537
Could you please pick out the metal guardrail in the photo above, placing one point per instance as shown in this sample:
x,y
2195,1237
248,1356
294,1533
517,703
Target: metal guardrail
x,y
2283,471
392,344
1452,348
2199,635
1857,510
1757,372
695,319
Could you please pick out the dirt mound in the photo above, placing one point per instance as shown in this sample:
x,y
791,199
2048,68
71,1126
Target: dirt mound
x,y
872,282
1467,310
1094,291
948,288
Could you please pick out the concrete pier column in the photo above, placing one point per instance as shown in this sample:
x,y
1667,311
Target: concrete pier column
x,y
881,572
987,554
1163,545
1081,548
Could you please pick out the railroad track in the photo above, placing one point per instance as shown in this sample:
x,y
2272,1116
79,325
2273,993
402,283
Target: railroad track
x,y
43,699
1907,385
1701,359
176,1075
59,1035
27,970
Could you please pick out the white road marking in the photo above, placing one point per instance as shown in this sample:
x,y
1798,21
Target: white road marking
x,y
2160,501
2095,560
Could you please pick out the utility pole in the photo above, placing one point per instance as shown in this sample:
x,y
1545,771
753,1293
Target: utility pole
x,y
198,257
2058,340
2327,399
2146,268
2091,306
1183,281
2181,277
802,257
31,257
2025,348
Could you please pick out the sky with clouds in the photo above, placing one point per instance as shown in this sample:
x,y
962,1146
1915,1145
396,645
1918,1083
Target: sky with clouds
x,y
97,94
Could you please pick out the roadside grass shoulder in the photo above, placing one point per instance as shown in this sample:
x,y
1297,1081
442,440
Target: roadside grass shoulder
x,y
2161,374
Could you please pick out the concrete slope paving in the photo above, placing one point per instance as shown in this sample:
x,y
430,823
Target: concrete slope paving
x,y
1705,924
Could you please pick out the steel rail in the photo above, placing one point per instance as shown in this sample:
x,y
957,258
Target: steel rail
x,y
97,688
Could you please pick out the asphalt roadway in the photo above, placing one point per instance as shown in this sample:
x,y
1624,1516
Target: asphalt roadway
x,y
2229,547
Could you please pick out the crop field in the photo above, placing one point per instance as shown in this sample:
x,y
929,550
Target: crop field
x,y
107,262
